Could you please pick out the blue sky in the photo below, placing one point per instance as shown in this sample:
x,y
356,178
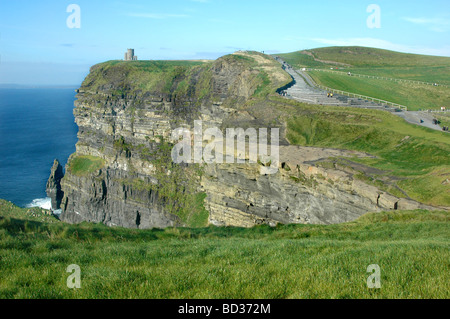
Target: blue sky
x,y
37,46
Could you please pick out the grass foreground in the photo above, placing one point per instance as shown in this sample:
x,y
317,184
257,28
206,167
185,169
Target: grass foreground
x,y
287,261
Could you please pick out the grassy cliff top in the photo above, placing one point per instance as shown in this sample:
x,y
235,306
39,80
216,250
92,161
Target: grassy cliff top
x,y
124,77
189,78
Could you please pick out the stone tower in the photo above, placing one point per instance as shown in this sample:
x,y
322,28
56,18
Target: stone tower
x,y
129,55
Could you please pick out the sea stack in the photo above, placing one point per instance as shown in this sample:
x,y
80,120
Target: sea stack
x,y
53,188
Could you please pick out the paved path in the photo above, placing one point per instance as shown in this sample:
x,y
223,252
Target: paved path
x,y
305,90
415,117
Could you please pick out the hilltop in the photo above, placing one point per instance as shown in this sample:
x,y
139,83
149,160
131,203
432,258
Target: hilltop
x,y
361,57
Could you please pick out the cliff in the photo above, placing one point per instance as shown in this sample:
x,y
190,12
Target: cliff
x,y
122,173
53,187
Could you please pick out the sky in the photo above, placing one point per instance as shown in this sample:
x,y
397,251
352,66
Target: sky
x,y
41,43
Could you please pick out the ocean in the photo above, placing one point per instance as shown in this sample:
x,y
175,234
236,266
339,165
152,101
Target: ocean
x,y
36,126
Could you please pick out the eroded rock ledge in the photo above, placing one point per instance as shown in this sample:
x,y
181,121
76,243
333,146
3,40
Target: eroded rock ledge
x,y
299,193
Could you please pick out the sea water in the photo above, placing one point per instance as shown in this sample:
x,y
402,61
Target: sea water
x,y
36,126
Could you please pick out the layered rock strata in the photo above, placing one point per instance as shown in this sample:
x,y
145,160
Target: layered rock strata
x,y
126,113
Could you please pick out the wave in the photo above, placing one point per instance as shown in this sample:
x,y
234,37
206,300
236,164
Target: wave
x,y
45,203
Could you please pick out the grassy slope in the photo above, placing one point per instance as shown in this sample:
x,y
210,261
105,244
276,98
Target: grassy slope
x,y
370,57
430,74
292,261
414,96
83,165
381,63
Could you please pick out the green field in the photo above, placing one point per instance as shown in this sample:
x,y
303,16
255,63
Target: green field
x,y
383,63
430,74
414,96
290,261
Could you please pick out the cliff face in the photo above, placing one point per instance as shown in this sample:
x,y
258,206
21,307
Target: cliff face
x,y
301,192
53,187
122,175
121,172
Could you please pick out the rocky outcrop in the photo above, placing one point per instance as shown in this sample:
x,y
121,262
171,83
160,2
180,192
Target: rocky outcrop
x,y
122,174
125,123
53,187
301,192
106,196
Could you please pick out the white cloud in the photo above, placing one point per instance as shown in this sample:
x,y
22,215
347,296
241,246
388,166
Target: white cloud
x,y
383,44
433,24
157,15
